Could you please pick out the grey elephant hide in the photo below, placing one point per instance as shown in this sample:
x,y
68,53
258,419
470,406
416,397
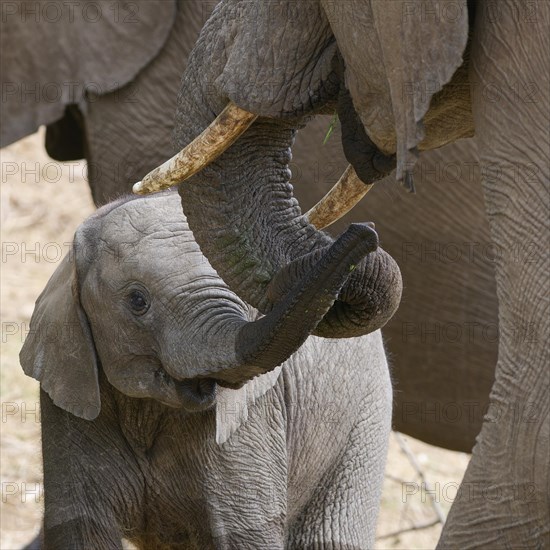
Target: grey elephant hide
x,y
132,445
55,53
232,405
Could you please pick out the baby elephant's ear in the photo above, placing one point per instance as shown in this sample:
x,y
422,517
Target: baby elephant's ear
x,y
59,350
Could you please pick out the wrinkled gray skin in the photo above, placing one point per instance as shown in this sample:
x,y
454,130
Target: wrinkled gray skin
x,y
393,56
442,341
126,133
303,470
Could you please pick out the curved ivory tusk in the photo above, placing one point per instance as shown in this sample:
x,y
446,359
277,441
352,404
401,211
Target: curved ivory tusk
x,y
204,149
345,194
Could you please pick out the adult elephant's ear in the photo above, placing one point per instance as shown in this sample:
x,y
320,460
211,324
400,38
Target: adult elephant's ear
x,y
54,53
403,55
59,350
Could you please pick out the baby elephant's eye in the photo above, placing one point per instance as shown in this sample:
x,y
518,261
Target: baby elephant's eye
x,y
138,302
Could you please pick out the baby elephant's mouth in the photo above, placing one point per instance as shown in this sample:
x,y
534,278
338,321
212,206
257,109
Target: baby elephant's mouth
x,y
197,394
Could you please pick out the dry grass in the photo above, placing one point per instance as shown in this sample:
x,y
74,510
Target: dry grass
x,y
39,216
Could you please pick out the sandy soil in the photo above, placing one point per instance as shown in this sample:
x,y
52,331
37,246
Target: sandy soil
x,y
42,203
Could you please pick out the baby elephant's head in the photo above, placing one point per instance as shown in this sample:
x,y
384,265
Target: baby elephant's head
x,y
137,299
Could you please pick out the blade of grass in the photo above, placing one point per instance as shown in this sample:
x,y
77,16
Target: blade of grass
x,y
331,127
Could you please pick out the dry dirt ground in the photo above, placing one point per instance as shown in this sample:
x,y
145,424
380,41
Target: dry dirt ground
x,y
42,203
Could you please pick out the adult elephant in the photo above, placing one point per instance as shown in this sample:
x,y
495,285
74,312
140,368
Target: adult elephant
x,y
120,117
442,341
396,74
102,76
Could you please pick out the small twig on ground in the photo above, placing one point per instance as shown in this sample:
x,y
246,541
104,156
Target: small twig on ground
x,y
412,459
394,478
414,527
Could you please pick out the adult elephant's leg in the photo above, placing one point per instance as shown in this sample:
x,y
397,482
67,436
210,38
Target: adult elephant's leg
x,y
504,496
129,131
442,341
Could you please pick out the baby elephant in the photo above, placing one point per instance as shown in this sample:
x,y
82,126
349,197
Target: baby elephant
x,y
175,416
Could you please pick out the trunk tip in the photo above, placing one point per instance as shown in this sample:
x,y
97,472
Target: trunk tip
x,y
364,234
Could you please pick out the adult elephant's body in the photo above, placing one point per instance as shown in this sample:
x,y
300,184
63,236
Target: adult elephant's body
x,y
442,341
130,130
113,104
442,379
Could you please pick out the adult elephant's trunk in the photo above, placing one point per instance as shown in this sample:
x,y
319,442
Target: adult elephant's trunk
x,y
262,345
242,212
251,229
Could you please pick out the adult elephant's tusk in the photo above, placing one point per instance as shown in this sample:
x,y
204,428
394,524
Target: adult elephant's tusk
x,y
345,194
204,149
